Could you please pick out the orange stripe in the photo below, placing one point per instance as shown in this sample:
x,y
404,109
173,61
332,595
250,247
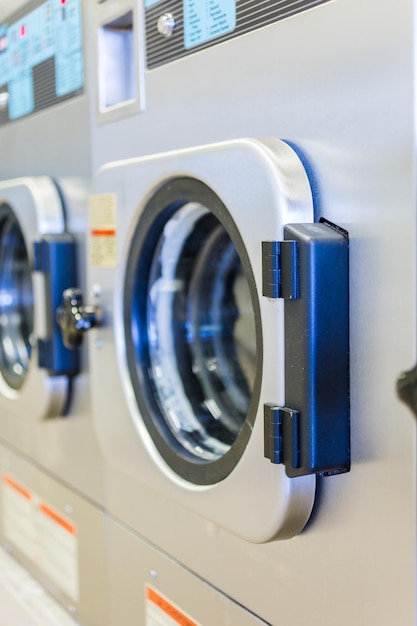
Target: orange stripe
x,y
12,483
57,518
165,606
103,233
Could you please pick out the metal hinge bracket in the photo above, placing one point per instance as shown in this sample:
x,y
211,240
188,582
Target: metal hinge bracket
x,y
280,269
282,435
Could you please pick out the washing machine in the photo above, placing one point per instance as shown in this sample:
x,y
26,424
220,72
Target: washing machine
x,y
45,416
45,134
256,126
33,388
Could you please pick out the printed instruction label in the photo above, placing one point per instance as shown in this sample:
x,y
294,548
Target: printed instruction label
x,y
57,544
207,19
18,517
69,61
103,217
162,612
42,534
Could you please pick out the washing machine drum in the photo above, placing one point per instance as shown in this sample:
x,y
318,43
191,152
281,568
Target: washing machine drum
x,y
193,331
35,367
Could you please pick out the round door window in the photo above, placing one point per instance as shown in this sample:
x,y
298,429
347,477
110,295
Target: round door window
x,y
16,301
193,331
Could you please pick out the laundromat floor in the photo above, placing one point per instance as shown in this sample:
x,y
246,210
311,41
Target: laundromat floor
x,y
23,601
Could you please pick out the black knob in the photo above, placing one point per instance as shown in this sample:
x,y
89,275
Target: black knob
x,y
407,388
74,319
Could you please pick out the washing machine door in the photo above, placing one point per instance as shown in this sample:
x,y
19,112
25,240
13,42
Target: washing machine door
x,y
196,364
201,337
30,211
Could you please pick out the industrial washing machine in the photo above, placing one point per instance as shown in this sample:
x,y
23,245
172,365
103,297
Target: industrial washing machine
x,y
243,132
52,482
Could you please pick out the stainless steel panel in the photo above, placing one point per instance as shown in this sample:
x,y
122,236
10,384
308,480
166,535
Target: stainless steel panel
x,y
89,558
338,81
137,566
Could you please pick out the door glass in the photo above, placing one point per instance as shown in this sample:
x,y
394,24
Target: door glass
x,y
16,301
201,337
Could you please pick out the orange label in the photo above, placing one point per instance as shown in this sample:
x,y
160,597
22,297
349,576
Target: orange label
x,y
65,524
169,609
103,233
14,485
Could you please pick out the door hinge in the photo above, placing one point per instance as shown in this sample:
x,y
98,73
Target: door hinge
x,y
280,269
282,435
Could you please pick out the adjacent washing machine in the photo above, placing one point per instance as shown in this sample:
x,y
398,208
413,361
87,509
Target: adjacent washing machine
x,y
45,122
35,385
45,416
192,245
44,399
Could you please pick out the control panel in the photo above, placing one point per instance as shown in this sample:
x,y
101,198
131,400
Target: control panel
x,y
41,57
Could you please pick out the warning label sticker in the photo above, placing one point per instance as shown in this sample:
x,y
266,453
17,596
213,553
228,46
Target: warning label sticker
x,y
42,534
103,217
57,542
162,612
18,517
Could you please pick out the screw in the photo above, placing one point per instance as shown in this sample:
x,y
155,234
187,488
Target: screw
x,y
95,291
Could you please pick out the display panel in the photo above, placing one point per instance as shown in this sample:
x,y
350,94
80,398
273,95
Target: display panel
x,y
41,57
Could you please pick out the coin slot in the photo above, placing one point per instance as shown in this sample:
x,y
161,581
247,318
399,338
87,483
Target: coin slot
x,y
117,68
